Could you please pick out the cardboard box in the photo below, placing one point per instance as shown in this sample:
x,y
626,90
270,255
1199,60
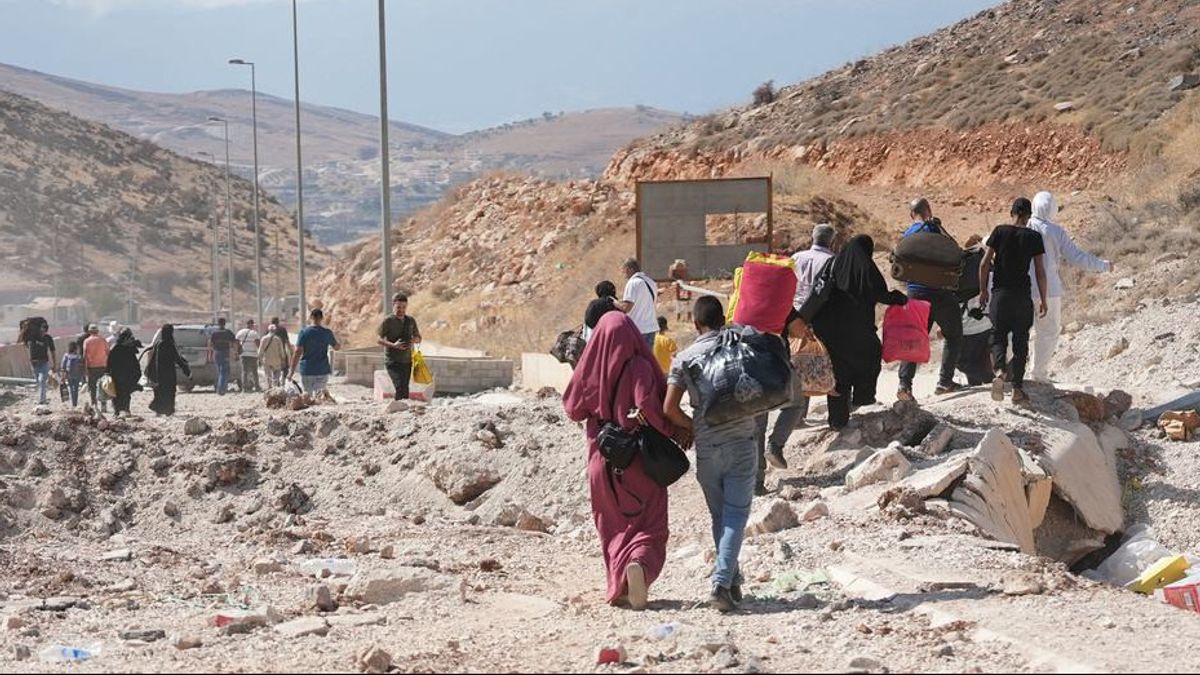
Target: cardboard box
x,y
1184,594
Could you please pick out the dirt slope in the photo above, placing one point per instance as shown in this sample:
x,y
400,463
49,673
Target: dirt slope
x,y
78,199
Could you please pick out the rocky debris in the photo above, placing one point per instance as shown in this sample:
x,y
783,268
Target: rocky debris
x,y
1084,476
222,514
937,441
228,471
321,599
143,634
1124,284
184,642
864,664
1118,347
901,503
195,426
992,495
373,659
774,516
462,481
1117,403
1064,106
275,398
387,585
398,406
1017,584
266,566
1091,408
293,499
358,544
531,523
1180,425
15,622
309,625
117,555
883,466
814,511
1184,82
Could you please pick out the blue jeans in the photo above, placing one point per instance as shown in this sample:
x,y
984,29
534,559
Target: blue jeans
x,y
726,474
314,384
649,337
73,383
41,373
222,363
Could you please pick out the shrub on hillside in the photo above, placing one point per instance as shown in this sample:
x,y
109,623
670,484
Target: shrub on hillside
x,y
765,93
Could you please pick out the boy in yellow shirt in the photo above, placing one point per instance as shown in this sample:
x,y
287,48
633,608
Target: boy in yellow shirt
x,y
664,347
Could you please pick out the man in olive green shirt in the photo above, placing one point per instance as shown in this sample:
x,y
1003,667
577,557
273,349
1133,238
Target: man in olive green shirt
x,y
398,334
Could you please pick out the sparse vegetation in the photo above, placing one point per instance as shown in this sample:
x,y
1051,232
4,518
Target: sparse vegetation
x,y
765,93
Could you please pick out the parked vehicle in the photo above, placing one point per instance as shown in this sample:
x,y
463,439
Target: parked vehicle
x,y
192,342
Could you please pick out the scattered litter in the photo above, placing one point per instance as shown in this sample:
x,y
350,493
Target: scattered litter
x,y
1184,594
1139,551
327,567
664,630
799,580
1166,571
64,654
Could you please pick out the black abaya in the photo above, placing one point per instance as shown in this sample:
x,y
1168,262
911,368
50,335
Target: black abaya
x,y
124,370
162,366
841,311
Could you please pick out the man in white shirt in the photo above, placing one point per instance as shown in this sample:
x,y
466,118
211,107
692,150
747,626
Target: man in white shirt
x,y
248,339
1060,248
638,301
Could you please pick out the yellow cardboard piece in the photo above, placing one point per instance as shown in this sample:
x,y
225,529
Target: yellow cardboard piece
x,y
1166,571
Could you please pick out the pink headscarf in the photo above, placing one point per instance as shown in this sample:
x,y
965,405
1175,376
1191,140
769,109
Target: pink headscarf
x,y
614,346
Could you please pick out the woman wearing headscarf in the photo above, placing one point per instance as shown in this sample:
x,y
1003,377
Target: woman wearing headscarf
x,y
841,311
124,370
164,358
617,373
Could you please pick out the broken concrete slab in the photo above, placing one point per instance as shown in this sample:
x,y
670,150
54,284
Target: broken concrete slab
x,y
1038,487
387,585
884,466
935,480
1084,475
992,495
774,516
937,441
308,625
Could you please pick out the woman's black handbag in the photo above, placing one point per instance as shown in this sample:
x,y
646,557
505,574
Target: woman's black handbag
x,y
662,458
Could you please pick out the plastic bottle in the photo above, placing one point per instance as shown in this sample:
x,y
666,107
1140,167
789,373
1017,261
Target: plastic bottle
x,y
323,567
62,654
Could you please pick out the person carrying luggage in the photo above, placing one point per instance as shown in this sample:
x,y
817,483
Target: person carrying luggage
x,y
945,311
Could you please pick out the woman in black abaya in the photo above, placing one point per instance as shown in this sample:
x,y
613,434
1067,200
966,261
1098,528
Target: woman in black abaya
x,y
841,311
161,371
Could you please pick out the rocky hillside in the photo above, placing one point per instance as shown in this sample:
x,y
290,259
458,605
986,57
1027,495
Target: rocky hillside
x,y
341,147
79,200
1092,100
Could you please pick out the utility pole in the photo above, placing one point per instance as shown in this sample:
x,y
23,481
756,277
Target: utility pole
x,y
228,216
278,285
212,237
385,188
258,314
299,168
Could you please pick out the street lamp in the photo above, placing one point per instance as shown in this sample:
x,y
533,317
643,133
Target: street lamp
x,y
384,168
257,232
228,212
215,287
299,167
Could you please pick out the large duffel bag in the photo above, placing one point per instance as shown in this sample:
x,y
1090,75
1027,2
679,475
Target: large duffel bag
x,y
764,290
929,259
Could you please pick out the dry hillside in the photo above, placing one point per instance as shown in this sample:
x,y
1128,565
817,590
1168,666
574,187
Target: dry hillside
x,y
78,200
341,147
966,115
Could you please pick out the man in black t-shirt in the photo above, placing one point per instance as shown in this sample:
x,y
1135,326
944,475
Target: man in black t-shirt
x,y
398,334
1010,249
41,358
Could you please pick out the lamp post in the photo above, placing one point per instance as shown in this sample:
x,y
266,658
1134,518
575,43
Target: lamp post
x,y
299,167
215,286
385,188
228,213
257,233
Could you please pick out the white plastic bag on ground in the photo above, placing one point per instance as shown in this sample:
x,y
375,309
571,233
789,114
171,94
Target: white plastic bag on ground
x,y
1139,551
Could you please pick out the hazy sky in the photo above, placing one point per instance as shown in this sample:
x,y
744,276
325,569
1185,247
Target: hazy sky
x,y
458,65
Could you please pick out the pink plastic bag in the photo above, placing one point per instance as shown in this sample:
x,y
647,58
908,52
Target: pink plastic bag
x,y
906,332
